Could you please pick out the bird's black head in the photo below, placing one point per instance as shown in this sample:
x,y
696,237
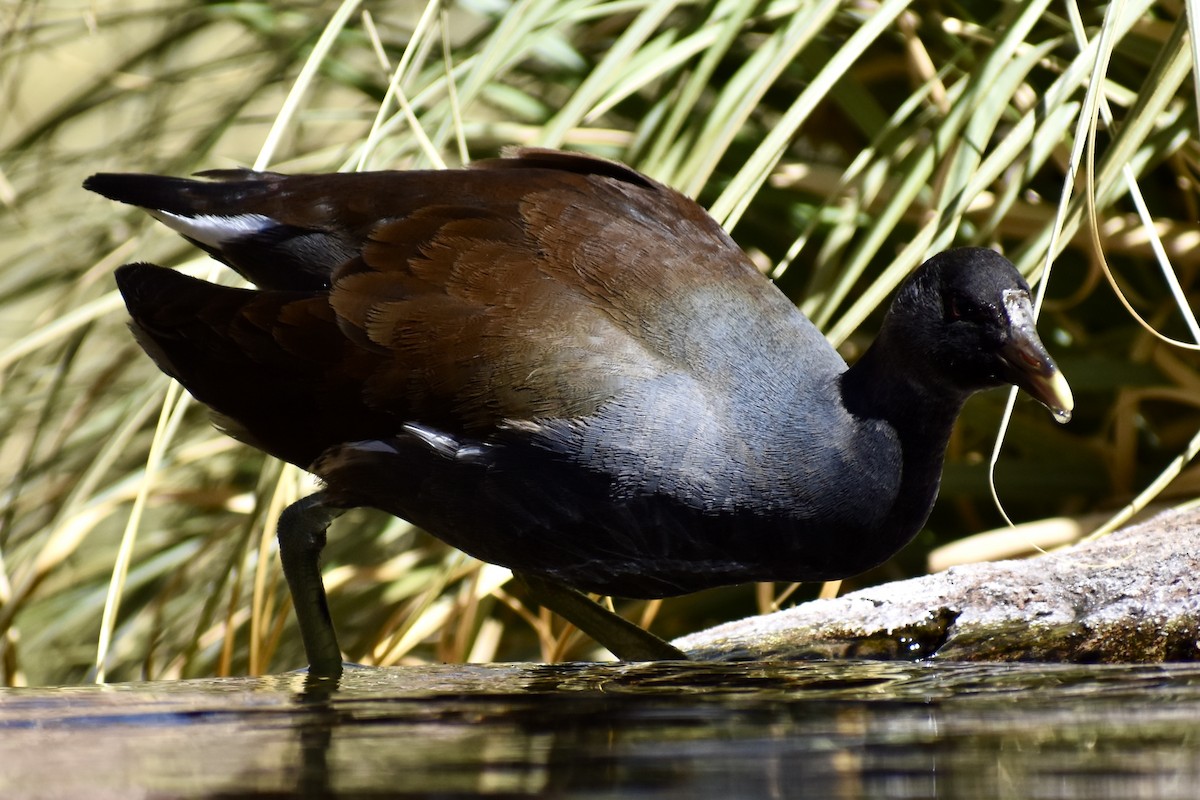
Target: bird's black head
x,y
964,321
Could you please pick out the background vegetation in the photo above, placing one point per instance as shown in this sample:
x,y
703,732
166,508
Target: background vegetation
x,y
841,142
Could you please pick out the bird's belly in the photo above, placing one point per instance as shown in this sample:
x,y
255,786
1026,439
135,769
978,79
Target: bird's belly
x,y
532,510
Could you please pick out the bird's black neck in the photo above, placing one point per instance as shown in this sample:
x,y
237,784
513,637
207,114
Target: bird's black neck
x,y
880,388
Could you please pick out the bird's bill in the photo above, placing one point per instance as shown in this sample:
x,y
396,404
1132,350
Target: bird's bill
x,y
1029,365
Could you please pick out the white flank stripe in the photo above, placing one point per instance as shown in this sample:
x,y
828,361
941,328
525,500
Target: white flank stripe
x,y
214,230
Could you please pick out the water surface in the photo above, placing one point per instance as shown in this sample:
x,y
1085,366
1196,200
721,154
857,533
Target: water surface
x,y
723,731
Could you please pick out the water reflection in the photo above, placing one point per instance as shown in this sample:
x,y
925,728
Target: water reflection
x,y
629,731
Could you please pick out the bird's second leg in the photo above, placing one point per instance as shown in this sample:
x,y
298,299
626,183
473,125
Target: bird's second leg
x,y
621,637
301,532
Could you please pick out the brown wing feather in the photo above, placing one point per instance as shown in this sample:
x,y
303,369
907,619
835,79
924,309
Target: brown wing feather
x,y
522,290
575,274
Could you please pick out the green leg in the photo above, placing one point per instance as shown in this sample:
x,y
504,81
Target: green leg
x,y
301,538
623,639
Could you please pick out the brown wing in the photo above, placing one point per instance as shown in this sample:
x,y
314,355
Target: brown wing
x,y
566,286
525,289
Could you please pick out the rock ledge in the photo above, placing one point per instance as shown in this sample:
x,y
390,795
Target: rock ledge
x,y
1131,597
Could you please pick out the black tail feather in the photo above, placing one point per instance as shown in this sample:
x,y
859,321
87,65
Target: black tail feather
x,y
155,192
276,255
225,345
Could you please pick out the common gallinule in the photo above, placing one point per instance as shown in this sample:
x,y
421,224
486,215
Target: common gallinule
x,y
557,364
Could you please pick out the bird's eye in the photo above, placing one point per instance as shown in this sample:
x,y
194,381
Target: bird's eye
x,y
963,308
954,309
